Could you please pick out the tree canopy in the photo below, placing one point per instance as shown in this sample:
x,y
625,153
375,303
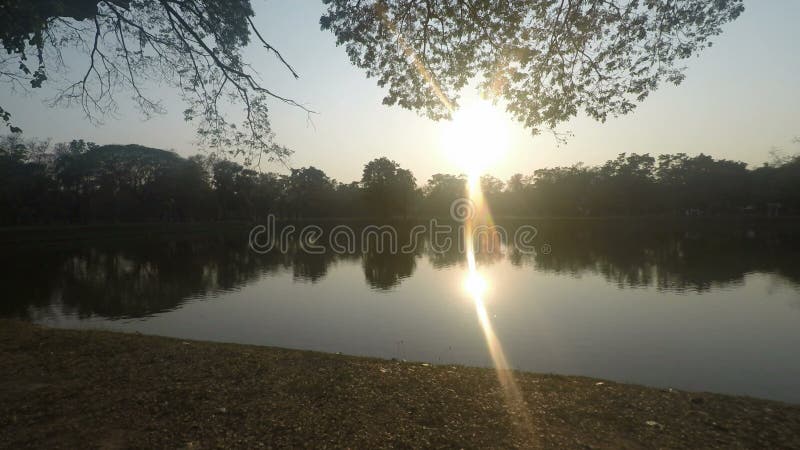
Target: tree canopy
x,y
388,188
547,59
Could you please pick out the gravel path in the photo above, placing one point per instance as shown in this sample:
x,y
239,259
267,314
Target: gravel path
x,y
79,389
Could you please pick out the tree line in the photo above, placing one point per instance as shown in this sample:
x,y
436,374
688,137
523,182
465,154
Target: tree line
x,y
81,182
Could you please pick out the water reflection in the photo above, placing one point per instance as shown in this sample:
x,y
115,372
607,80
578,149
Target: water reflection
x,y
384,271
137,278
670,257
129,278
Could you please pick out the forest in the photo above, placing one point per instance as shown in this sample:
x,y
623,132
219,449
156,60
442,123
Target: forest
x,y
81,183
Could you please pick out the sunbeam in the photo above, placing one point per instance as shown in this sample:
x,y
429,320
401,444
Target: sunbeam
x,y
475,137
477,286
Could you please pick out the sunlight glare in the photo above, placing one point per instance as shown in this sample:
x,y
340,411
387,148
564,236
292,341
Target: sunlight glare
x,y
476,137
475,284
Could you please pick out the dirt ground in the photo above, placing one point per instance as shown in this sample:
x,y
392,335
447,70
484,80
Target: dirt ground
x,y
94,389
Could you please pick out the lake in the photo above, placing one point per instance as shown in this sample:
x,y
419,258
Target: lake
x,y
705,305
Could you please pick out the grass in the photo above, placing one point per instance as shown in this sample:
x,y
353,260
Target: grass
x,y
97,389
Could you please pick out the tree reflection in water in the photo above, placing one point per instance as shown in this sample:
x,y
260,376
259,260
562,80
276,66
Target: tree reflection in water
x,y
129,278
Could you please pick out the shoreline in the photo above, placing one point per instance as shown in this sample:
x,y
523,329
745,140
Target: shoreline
x,y
88,388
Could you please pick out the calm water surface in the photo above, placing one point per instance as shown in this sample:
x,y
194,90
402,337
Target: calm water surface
x,y
685,306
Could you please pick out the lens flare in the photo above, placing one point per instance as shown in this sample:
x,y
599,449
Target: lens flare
x,y
476,286
476,137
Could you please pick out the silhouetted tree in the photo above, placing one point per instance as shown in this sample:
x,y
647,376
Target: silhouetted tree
x,y
388,189
625,184
562,191
348,200
702,184
775,188
308,192
132,182
491,186
441,191
25,185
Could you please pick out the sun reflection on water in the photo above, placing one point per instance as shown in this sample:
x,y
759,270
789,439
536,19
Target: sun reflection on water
x,y
475,139
477,286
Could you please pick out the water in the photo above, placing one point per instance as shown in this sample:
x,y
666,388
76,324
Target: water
x,y
698,306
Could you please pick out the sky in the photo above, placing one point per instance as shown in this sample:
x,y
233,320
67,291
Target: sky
x,y
740,99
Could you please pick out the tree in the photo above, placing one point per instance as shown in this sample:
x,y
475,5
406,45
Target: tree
x,y
441,191
268,194
702,183
348,200
187,185
388,189
546,59
491,186
563,190
194,45
625,184
226,181
517,183
70,174
130,183
516,197
25,188
308,192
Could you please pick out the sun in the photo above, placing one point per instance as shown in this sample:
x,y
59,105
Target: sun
x,y
475,137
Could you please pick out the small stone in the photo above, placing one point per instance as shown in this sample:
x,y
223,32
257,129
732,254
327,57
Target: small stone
x,y
653,423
